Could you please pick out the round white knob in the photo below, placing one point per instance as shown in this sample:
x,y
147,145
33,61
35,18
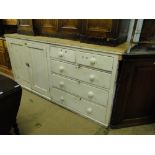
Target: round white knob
x,y
61,68
62,98
60,54
90,94
61,83
92,61
92,77
89,110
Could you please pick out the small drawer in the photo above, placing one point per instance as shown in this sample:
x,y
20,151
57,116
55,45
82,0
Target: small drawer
x,y
65,99
62,53
96,61
95,77
66,84
93,111
63,68
93,94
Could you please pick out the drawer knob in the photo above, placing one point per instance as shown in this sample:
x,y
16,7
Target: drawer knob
x,y
89,110
92,77
62,98
92,61
61,68
90,94
61,83
60,54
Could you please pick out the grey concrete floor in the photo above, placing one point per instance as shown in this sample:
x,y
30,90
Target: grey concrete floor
x,y
38,116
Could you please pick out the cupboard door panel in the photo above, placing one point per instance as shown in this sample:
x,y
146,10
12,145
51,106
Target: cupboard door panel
x,y
46,26
97,27
135,96
38,67
25,26
20,61
70,27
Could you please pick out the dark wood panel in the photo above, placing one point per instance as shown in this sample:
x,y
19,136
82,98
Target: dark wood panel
x,y
104,31
135,96
25,26
47,27
97,27
70,28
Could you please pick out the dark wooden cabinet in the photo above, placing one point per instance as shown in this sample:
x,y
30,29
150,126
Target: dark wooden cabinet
x,y
97,31
25,26
70,28
104,31
46,27
134,102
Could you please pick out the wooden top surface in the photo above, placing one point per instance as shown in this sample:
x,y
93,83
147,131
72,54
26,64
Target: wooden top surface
x,y
118,50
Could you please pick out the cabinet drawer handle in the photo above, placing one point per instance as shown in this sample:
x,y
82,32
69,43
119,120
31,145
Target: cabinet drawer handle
x,y
61,68
89,110
92,77
62,98
61,83
92,61
90,94
60,54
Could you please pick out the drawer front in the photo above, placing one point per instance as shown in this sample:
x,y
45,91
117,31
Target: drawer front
x,y
62,53
66,84
65,99
63,68
93,94
98,78
93,111
1,44
96,61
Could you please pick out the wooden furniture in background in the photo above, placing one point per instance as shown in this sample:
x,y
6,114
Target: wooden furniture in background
x,y
104,31
135,95
10,21
25,26
10,25
5,65
46,27
98,31
70,28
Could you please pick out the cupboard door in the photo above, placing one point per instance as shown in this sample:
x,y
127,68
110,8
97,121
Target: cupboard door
x,y
39,71
25,26
70,28
135,96
46,26
20,60
97,28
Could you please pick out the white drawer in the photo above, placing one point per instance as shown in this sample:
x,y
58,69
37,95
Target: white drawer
x,y
98,78
93,94
93,111
63,68
66,84
66,100
94,60
62,53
